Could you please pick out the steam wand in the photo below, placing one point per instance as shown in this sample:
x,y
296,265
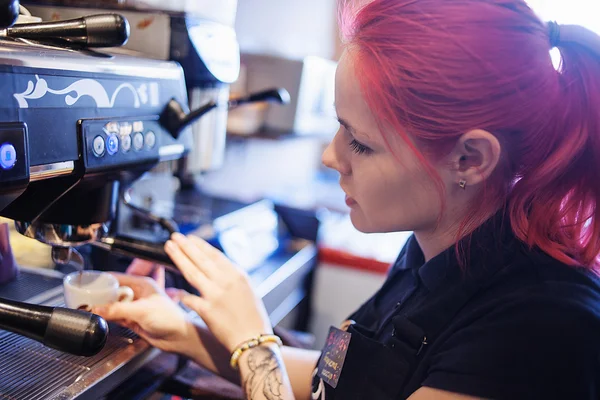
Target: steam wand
x,y
102,30
175,119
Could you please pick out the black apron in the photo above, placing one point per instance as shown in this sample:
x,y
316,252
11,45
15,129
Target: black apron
x,y
385,370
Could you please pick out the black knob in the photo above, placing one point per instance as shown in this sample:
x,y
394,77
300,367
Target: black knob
x,y
76,332
9,12
106,30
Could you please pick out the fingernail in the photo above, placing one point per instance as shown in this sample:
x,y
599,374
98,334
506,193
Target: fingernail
x,y
99,310
169,245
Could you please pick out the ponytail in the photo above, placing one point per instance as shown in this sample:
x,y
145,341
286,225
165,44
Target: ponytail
x,y
555,205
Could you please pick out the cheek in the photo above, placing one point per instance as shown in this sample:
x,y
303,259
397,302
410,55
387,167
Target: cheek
x,y
393,197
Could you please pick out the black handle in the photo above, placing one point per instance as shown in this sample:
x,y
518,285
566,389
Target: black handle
x,y
276,95
130,247
166,223
9,12
174,118
102,30
70,331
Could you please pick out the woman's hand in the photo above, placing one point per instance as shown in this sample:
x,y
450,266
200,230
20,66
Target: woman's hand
x,y
152,315
228,305
155,271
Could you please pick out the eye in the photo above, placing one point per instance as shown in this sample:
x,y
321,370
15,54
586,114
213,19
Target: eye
x,y
359,148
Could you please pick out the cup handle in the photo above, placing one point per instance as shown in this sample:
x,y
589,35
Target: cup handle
x,y
125,294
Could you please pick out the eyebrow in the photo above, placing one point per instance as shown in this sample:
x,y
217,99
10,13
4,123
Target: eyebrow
x,y
354,132
346,125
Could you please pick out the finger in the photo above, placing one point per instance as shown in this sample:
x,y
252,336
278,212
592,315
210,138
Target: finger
x,y
190,272
140,267
211,251
176,294
194,253
198,304
132,326
159,276
140,284
224,265
119,311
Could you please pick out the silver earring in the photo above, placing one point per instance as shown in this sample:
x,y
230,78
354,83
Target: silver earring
x,y
462,183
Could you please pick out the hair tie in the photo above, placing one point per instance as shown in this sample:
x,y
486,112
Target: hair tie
x,y
553,33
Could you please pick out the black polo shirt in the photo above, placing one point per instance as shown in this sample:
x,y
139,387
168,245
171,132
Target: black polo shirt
x,y
513,324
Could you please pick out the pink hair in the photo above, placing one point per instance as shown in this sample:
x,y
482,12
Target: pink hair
x,y
435,69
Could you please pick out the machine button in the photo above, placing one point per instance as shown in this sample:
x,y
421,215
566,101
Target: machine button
x,y
112,127
138,126
126,143
125,128
138,141
8,156
150,139
98,146
112,144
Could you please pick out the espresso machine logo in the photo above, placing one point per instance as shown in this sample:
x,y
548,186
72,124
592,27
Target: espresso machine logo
x,y
142,95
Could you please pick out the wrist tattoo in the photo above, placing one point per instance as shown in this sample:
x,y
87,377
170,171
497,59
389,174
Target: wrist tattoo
x,y
264,375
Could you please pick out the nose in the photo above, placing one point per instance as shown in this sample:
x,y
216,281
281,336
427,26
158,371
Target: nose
x,y
331,157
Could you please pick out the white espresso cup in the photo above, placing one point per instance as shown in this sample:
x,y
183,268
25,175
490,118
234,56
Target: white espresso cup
x,y
87,289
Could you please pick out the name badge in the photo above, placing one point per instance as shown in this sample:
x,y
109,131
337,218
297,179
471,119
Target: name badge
x,y
333,356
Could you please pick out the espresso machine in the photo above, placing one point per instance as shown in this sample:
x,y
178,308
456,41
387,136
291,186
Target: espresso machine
x,y
78,125
199,35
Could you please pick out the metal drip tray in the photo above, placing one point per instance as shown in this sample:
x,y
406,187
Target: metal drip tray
x,y
32,371
29,284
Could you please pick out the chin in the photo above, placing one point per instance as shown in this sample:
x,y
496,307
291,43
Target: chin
x,y
361,224
365,225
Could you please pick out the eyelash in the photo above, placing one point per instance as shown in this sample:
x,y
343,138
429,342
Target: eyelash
x,y
359,148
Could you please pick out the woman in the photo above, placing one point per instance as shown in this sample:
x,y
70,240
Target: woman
x,y
454,125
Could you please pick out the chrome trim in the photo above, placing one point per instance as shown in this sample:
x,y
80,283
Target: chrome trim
x,y
62,235
286,306
31,55
287,269
46,171
170,151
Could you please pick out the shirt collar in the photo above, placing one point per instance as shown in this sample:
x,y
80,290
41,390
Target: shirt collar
x,y
485,252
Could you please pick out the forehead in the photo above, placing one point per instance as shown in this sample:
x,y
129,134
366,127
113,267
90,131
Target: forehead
x,y
351,107
349,100
347,87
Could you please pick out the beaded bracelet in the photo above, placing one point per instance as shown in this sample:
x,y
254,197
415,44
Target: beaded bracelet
x,y
249,344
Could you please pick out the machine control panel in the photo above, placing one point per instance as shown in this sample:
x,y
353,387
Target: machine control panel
x,y
118,142
14,160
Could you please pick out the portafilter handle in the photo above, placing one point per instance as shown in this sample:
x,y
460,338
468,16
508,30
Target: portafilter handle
x,y
71,331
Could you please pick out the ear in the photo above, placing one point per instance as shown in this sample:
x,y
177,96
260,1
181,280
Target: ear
x,y
474,157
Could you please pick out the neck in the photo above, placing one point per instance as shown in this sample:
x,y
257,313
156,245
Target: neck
x,y
434,241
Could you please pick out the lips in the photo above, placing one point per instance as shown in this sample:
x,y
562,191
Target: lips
x,y
350,201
